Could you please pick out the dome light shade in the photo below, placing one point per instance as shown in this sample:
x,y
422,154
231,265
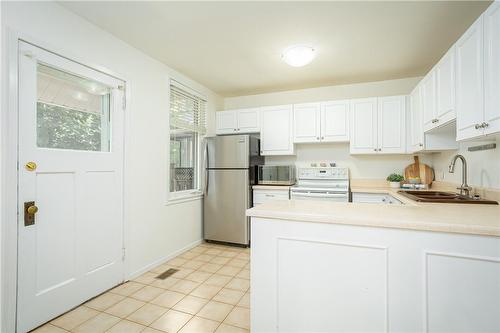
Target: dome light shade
x,y
298,55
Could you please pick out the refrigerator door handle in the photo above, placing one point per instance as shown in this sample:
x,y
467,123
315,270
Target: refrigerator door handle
x,y
206,167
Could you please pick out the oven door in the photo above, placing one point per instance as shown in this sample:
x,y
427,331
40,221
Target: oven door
x,y
321,196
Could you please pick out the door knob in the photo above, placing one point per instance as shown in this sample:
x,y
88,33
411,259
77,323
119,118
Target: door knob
x,y
32,210
29,213
30,166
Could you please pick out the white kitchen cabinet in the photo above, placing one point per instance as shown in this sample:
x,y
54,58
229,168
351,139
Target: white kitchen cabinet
x,y
238,121
416,120
261,196
445,89
307,119
226,122
378,198
492,69
364,126
335,121
378,125
429,100
276,133
321,122
469,82
391,121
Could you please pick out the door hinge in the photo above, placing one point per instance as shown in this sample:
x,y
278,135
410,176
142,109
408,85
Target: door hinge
x,y
124,97
123,254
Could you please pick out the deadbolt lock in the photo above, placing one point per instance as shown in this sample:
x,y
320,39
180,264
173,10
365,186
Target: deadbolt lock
x,y
29,213
30,166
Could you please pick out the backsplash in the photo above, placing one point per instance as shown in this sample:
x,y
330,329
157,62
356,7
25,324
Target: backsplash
x,y
360,166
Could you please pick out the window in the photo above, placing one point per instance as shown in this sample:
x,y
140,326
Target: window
x,y
72,112
187,126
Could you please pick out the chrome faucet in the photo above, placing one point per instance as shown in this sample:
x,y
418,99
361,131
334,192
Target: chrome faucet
x,y
464,188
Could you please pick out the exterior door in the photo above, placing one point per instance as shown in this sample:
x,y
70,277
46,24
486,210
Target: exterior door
x,y
70,169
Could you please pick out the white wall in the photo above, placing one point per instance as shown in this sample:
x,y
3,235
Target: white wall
x,y
483,166
156,230
357,90
366,167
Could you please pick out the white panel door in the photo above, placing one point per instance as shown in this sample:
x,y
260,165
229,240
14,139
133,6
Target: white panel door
x,y
469,82
248,120
335,121
445,88
416,123
276,133
226,122
71,126
363,126
492,69
306,120
392,125
429,101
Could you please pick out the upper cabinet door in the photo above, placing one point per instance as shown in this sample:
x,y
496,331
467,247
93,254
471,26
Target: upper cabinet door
x,y
248,120
469,82
392,125
429,100
445,88
276,130
363,126
306,119
492,69
416,123
226,122
335,121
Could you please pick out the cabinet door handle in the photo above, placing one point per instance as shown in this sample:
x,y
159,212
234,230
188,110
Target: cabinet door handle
x,y
375,149
435,121
484,125
421,144
317,138
477,126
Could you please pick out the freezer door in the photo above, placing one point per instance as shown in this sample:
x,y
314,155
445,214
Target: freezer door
x,y
230,152
226,200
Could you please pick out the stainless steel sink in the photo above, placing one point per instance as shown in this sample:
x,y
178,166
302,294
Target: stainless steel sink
x,y
443,197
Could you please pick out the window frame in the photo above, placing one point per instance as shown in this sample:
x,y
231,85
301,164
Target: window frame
x,y
175,197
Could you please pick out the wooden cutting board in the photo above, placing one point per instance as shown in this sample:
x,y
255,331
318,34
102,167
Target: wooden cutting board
x,y
421,170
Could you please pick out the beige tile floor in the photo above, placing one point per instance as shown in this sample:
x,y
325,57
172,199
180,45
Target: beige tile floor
x,y
210,293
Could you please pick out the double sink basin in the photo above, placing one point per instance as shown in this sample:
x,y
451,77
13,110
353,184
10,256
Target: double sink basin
x,y
443,197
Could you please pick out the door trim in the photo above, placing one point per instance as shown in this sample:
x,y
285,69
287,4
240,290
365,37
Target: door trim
x,y
9,168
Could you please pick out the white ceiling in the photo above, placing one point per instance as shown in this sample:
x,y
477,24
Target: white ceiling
x,y
234,48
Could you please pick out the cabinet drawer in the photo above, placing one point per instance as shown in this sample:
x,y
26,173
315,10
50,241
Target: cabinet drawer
x,y
261,196
375,198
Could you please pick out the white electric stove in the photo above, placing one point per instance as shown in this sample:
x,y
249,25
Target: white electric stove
x,y
322,183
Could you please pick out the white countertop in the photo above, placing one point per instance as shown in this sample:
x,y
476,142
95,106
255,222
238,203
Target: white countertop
x,y
472,219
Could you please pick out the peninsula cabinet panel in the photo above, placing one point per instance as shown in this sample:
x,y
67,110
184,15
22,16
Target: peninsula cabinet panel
x,y
326,277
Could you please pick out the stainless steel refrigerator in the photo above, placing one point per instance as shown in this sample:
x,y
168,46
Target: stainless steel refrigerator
x,y
230,171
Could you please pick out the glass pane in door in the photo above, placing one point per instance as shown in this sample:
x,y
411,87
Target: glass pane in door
x,y
73,112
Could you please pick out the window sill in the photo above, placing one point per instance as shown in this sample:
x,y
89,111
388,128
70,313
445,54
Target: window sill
x,y
185,197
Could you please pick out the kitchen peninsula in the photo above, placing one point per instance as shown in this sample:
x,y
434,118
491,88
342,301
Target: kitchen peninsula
x,y
344,267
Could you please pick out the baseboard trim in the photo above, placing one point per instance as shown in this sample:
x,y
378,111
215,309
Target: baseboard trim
x,y
163,260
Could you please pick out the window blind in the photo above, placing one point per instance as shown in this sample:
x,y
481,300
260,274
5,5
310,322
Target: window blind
x,y
187,111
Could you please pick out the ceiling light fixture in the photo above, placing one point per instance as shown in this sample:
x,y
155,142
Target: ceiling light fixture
x,y
298,55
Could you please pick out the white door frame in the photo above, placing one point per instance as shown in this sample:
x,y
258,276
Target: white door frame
x,y
9,176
